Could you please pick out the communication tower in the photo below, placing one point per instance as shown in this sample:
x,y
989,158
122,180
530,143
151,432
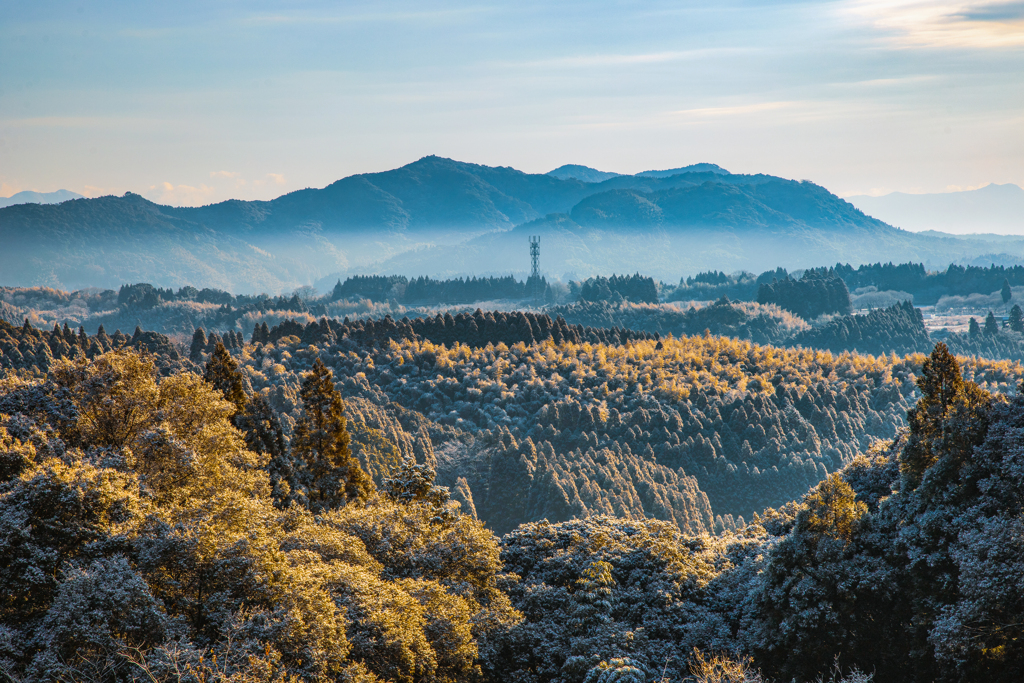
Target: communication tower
x,y
535,256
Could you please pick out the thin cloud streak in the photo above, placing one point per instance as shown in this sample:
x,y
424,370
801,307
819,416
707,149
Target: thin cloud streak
x,y
603,60
924,23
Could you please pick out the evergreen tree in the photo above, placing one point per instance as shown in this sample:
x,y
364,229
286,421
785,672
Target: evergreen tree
x,y
948,421
261,427
832,509
222,372
320,446
1016,318
991,326
195,353
973,329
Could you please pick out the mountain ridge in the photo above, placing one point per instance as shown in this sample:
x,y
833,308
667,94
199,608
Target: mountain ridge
x,y
432,216
30,197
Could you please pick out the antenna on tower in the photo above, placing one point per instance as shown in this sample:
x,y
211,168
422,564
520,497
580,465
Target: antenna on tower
x,y
535,256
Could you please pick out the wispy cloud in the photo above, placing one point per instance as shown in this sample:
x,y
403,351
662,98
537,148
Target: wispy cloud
x,y
363,17
737,110
224,174
925,23
613,59
181,195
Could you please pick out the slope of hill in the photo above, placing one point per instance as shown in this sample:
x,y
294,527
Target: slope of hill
x,y
993,208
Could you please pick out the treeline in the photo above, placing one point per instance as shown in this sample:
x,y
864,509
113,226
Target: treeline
x,y
476,329
429,290
816,293
636,288
926,287
712,285
899,329
766,324
27,348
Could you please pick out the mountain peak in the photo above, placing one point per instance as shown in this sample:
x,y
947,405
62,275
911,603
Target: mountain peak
x,y
29,197
582,173
692,168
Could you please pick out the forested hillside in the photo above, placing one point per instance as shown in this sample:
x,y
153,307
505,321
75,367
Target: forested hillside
x,y
698,430
258,517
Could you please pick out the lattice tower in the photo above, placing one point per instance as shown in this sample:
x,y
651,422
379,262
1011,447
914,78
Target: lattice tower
x,y
535,256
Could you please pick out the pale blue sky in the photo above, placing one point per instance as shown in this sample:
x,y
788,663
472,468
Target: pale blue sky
x,y
194,102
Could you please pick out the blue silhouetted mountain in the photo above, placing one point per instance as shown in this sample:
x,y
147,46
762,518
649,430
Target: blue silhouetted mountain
x,y
441,217
29,197
584,173
692,168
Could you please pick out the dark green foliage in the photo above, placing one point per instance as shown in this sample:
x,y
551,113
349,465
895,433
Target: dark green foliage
x,y
598,590
426,290
1016,319
476,329
26,348
262,429
813,295
947,423
924,587
746,320
899,329
973,329
329,475
991,326
222,372
635,288
714,285
929,287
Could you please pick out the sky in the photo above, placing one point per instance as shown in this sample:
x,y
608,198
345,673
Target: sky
x,y
189,103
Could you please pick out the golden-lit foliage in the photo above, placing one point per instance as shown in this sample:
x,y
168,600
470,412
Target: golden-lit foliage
x,y
832,509
160,491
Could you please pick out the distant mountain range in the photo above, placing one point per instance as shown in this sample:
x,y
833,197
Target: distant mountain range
x,y
993,208
29,197
437,216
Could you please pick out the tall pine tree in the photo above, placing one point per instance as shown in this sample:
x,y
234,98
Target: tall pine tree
x,y
947,423
222,372
1016,319
195,353
320,446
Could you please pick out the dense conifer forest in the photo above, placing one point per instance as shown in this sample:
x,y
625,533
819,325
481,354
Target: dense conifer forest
x,y
322,503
